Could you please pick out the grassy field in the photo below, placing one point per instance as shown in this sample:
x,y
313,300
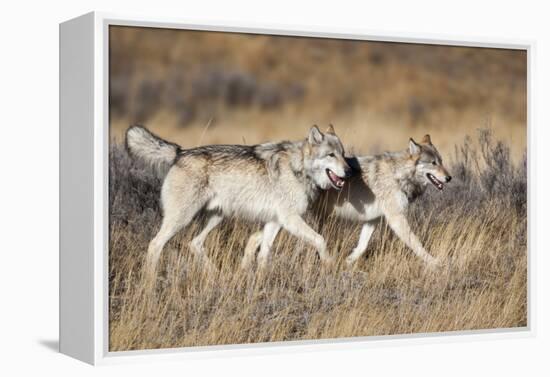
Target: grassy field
x,y
478,224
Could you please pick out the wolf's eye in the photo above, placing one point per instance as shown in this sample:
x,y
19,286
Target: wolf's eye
x,y
434,163
332,155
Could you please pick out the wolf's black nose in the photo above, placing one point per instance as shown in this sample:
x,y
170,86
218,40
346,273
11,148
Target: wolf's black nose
x,y
448,178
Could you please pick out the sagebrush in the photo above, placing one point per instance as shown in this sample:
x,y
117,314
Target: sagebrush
x,y
478,224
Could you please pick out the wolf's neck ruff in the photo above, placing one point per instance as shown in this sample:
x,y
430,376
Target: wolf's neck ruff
x,y
388,167
276,156
302,172
411,189
406,176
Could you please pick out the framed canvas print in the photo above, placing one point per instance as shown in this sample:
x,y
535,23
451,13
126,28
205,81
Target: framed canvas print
x,y
237,190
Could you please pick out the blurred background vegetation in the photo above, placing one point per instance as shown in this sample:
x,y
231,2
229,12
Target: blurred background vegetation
x,y
196,87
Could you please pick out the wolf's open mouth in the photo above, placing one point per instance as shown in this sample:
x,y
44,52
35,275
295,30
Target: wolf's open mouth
x,y
436,182
336,181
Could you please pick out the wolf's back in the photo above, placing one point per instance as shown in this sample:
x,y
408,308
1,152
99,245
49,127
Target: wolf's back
x,y
146,146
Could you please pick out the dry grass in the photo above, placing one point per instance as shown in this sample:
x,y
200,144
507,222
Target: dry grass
x,y
259,88
478,225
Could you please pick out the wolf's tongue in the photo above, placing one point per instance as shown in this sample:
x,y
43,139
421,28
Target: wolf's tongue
x,y
335,178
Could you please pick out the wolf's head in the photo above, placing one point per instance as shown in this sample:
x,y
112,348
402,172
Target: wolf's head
x,y
325,160
429,165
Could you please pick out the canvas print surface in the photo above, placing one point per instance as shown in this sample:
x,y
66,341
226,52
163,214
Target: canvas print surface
x,y
271,188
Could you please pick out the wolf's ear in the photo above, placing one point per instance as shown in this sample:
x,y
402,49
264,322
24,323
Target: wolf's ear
x,y
426,139
330,130
414,148
315,136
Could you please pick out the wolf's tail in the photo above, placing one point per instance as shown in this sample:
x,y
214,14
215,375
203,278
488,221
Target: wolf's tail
x,y
142,144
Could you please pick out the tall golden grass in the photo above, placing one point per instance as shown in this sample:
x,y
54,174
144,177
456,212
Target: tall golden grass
x,y
478,229
483,286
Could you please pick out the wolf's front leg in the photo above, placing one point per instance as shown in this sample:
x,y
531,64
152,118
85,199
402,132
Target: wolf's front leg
x,y
400,225
295,225
271,230
252,245
264,240
364,237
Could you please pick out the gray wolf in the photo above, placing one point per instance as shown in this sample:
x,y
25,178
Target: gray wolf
x,y
271,183
380,186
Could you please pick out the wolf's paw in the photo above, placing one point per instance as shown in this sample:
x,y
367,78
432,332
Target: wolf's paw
x,y
263,262
434,264
209,267
246,264
350,261
150,265
328,262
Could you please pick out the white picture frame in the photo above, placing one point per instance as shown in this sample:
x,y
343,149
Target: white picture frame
x,y
84,223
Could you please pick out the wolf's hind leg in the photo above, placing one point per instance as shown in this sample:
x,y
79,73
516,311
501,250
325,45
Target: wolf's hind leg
x,y
176,217
296,226
270,231
398,222
197,243
364,237
170,226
